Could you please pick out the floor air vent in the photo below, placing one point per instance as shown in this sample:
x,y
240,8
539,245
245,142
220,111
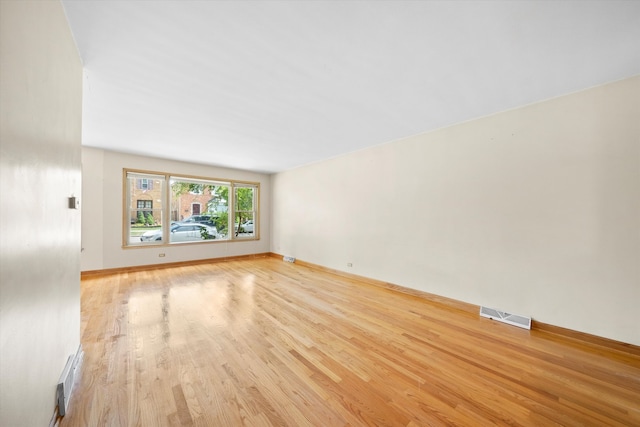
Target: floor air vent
x,y
66,381
501,316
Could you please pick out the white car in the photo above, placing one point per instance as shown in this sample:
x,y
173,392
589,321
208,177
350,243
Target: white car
x,y
181,232
246,227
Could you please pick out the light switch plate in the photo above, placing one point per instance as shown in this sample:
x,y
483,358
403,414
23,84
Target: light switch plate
x,y
74,203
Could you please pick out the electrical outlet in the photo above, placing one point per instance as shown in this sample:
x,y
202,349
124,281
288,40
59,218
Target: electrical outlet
x,y
349,264
161,255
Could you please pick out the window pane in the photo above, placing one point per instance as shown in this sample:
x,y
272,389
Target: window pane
x,y
201,203
244,215
145,196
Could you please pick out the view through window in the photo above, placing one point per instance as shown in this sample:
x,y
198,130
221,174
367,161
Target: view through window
x,y
188,210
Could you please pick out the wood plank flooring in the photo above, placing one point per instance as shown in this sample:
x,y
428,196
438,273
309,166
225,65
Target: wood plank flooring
x,y
267,343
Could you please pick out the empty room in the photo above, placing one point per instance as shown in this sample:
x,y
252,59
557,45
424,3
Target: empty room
x,y
319,213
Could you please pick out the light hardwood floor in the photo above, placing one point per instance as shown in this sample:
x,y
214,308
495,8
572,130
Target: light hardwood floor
x,y
262,342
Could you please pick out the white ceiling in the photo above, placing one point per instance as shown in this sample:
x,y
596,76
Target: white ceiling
x,y
272,85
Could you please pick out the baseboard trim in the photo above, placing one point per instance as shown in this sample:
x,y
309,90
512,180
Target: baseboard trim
x,y
56,418
584,337
119,270
577,336
449,302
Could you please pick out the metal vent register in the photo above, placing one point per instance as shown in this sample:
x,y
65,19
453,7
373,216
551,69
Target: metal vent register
x,y
512,319
67,380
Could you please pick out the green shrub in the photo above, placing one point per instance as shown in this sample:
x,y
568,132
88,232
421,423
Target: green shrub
x,y
204,233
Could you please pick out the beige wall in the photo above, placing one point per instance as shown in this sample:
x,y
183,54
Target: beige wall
x,y
102,215
40,125
535,211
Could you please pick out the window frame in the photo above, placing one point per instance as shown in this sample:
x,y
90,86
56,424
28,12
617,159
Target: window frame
x,y
166,206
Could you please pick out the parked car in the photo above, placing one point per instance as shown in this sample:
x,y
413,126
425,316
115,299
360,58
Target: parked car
x,y
201,219
156,234
181,232
246,227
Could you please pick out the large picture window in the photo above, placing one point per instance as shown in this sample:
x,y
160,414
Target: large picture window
x,y
166,209
211,216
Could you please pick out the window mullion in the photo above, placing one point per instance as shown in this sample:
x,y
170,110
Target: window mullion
x,y
166,209
231,222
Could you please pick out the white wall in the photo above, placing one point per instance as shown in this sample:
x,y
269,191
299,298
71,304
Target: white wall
x,y
92,209
40,125
102,214
535,211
